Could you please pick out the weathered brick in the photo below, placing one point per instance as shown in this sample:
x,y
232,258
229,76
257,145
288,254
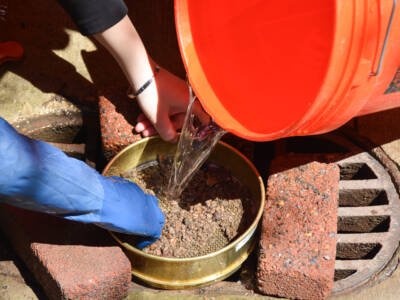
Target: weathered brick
x,y
118,116
69,260
298,239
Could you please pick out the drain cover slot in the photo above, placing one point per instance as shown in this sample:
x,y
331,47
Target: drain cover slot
x,y
364,197
356,171
348,251
363,224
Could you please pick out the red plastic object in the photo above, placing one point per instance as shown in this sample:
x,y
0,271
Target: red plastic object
x,y
10,51
268,69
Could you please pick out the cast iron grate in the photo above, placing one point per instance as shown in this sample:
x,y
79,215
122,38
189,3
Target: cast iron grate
x,y
368,213
368,227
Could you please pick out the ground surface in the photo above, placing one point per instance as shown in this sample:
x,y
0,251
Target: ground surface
x,y
59,61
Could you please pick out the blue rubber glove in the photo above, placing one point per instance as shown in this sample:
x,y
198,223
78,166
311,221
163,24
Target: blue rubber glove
x,y
37,176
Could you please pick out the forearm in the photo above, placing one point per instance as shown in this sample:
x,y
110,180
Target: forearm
x,y
126,46
166,98
38,176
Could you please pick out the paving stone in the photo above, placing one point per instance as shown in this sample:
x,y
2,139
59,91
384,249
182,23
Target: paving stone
x,y
299,227
118,115
69,260
224,290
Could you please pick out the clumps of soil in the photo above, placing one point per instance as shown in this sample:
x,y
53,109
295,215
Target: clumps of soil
x,y
207,216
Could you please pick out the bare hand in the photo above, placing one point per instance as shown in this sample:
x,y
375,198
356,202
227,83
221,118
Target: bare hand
x,y
164,107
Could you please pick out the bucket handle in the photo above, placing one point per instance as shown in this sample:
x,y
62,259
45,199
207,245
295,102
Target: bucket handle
x,y
378,70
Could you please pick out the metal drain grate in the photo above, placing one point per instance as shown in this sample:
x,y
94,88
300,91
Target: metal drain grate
x,y
368,221
368,213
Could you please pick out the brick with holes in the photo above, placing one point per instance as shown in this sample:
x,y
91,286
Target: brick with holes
x,y
299,227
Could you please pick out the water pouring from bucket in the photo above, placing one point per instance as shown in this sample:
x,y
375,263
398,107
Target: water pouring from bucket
x,y
198,138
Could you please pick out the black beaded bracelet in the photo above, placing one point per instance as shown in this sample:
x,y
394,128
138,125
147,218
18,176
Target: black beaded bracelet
x,y
133,95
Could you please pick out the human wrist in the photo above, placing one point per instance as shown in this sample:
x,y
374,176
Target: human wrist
x,y
133,94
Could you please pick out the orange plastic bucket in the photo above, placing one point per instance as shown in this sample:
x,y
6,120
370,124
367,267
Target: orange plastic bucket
x,y
268,69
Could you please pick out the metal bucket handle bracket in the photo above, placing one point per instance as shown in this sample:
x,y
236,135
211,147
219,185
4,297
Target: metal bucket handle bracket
x,y
378,70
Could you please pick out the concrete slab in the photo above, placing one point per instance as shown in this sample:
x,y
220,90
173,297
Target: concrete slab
x,y
222,290
12,285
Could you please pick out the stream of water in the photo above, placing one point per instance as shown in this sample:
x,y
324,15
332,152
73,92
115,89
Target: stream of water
x,y
198,138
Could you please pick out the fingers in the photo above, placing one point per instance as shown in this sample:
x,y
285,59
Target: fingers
x,y
149,132
144,126
166,129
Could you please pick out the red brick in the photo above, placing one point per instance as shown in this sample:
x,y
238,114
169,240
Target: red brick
x,y
298,239
68,259
118,116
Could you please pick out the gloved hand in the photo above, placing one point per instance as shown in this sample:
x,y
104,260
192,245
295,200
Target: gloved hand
x,y
37,176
